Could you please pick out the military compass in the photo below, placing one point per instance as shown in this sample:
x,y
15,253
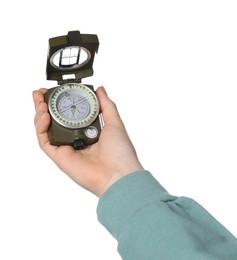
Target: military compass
x,y
73,106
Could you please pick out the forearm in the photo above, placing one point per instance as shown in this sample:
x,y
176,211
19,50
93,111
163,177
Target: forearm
x,y
149,223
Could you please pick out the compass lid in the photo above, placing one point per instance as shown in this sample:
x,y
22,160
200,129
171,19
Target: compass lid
x,y
70,57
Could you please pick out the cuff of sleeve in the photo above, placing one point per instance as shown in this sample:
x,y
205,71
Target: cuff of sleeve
x,y
125,197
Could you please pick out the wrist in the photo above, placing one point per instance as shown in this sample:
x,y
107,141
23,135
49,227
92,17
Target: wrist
x,y
117,175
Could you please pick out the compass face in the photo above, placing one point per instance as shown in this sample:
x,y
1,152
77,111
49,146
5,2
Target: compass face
x,y
74,105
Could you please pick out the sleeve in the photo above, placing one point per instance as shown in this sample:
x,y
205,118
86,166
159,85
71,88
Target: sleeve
x,y
149,223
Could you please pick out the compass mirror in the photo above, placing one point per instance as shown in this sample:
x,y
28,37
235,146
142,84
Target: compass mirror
x,y
69,58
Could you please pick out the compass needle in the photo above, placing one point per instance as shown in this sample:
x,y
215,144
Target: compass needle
x,y
73,110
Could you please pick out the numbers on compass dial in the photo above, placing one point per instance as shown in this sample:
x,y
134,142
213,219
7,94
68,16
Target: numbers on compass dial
x,y
74,105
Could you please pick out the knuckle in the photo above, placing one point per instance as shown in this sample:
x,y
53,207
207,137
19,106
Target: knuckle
x,y
42,106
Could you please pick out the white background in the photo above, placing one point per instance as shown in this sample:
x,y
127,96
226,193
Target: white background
x,y
170,66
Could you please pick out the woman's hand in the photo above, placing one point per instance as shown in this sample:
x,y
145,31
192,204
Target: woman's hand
x,y
99,165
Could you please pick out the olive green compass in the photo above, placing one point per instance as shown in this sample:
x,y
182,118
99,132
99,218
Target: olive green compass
x,y
73,106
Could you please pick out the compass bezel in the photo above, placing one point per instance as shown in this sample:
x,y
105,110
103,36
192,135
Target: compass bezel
x,y
85,92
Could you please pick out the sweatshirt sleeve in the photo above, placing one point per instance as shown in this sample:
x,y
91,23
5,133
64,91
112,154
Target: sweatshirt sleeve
x,y
149,223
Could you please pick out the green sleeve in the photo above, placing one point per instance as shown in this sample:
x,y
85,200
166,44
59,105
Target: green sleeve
x,y
149,223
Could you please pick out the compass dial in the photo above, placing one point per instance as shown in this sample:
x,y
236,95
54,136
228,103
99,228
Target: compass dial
x,y
74,105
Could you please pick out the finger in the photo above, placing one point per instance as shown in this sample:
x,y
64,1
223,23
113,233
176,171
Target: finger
x,y
42,123
41,127
42,107
109,110
42,118
38,96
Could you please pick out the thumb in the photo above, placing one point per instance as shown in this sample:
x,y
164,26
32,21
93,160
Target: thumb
x,y
108,108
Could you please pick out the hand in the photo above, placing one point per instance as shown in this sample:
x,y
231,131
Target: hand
x,y
100,165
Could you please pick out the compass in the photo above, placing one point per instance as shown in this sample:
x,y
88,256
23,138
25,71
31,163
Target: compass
x,y
73,106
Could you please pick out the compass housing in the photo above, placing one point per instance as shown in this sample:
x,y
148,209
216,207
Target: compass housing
x,y
73,107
